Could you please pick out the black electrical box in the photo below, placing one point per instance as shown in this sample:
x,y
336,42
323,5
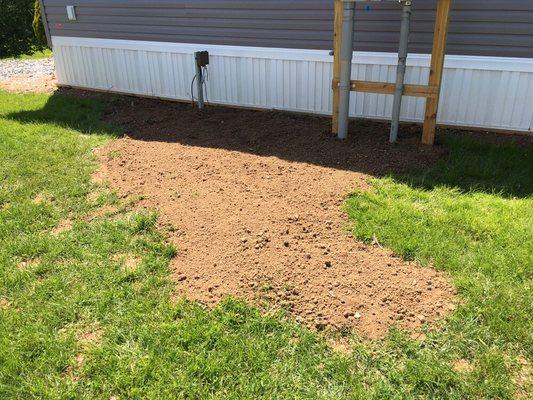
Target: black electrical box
x,y
202,58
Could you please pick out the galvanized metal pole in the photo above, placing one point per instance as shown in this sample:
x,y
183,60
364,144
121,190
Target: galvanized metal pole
x,y
400,72
346,66
199,83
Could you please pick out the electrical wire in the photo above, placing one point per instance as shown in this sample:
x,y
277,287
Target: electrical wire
x,y
192,89
205,79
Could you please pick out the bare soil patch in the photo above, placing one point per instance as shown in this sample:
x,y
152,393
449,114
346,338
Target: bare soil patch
x,y
27,264
523,380
63,226
4,303
41,199
129,262
256,200
90,336
463,366
104,211
28,83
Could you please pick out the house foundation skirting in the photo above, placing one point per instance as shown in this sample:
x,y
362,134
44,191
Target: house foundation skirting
x,y
482,92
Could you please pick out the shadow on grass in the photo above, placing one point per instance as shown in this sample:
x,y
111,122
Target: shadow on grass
x,y
467,161
475,164
67,110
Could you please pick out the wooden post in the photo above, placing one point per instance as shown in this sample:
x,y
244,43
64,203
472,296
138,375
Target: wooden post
x,y
437,65
337,30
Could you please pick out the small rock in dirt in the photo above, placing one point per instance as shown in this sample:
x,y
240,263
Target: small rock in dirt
x,y
320,325
181,278
357,315
348,314
328,264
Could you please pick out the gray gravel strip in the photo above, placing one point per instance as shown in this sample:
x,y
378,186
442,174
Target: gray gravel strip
x,y
9,68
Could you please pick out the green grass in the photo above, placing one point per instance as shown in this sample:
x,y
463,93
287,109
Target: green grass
x,y
472,216
33,56
76,322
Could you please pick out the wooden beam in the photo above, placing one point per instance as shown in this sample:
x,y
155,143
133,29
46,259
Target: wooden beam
x,y
388,88
436,69
337,31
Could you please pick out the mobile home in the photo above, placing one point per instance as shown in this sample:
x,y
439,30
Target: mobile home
x,y
276,54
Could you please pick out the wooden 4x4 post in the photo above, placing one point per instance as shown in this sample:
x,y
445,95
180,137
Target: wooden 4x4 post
x,y
431,91
436,69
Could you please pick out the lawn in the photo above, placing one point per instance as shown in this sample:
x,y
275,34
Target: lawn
x,y
47,53
85,296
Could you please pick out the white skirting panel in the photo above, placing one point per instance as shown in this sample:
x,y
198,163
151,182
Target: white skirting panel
x,y
487,92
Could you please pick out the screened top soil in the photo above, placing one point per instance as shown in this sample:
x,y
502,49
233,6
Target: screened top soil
x,y
255,200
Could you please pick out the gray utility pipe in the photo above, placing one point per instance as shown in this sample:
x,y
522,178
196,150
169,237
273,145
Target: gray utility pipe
x,y
346,66
400,72
199,85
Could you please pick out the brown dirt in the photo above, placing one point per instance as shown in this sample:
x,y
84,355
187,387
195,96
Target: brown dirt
x,y
40,199
255,201
27,83
63,226
31,263
103,211
523,380
90,336
86,339
129,262
463,366
4,303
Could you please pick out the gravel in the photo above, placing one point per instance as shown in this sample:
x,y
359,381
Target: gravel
x,y
42,67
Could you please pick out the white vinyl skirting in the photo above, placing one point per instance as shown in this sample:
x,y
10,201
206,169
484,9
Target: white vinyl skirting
x,y
485,92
